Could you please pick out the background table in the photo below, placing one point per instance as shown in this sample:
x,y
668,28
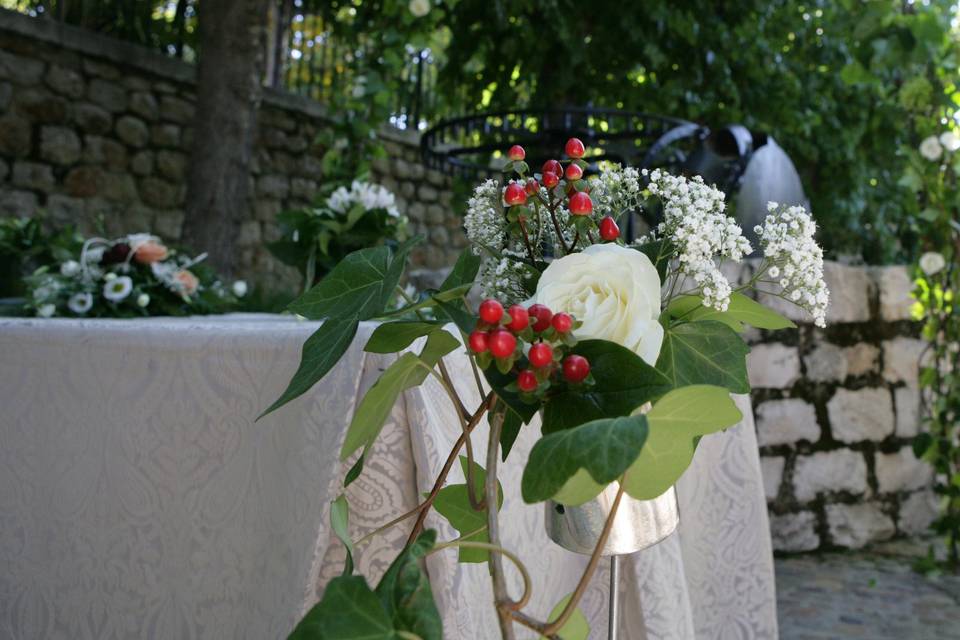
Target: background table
x,y
138,499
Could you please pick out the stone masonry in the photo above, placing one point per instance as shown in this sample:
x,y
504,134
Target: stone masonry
x,y
836,410
92,128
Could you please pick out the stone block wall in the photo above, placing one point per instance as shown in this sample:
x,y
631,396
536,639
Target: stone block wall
x,y
836,410
93,127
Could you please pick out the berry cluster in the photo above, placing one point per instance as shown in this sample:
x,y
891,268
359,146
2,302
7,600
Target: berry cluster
x,y
565,185
500,336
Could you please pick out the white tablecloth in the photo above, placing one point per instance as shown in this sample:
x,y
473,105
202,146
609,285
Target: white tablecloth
x,y
138,499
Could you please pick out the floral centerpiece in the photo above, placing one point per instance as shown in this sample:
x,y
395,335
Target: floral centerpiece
x,y
136,275
629,349
315,239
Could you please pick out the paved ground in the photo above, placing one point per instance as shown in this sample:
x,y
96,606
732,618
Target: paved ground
x,y
871,594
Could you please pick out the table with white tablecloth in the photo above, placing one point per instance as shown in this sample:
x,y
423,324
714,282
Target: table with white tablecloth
x,y
140,499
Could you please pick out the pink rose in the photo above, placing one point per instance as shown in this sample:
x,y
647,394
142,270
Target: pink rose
x,y
150,252
187,282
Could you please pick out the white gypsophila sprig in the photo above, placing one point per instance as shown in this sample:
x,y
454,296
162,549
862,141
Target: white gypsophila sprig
x,y
616,190
485,226
368,195
794,259
694,221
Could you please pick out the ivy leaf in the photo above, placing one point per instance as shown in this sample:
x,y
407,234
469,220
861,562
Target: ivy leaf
x,y
659,252
604,448
742,310
623,383
675,423
339,522
464,272
391,337
321,352
349,610
405,593
361,284
512,422
408,371
576,627
704,352
453,503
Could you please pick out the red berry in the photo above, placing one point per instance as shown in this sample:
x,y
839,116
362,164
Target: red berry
x,y
542,316
575,368
552,166
550,179
609,230
540,355
573,172
516,153
502,343
581,204
574,148
527,380
562,322
491,311
478,341
515,194
519,318
532,187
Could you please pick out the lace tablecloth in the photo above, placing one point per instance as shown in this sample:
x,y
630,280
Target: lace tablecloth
x,y
138,498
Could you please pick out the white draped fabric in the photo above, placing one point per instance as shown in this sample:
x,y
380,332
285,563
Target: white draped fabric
x,y
138,498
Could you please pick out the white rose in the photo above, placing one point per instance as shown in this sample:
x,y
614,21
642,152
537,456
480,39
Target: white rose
x,y
930,149
240,288
46,310
932,262
950,140
613,290
419,8
143,300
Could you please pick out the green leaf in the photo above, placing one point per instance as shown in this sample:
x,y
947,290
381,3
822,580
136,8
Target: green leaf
x,y
321,352
349,610
704,352
576,627
361,284
659,252
512,421
675,424
405,593
464,272
392,337
604,448
453,503
623,383
408,371
741,310
339,522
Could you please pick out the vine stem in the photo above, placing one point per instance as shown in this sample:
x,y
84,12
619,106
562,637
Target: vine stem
x,y
494,560
425,507
476,544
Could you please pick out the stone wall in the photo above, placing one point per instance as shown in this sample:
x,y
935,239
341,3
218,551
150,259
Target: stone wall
x,y
836,410
92,127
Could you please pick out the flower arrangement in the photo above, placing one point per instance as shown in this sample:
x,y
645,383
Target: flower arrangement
x,y
136,275
626,348
315,239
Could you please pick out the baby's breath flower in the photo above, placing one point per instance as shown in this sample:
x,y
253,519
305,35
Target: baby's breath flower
x,y
788,244
694,221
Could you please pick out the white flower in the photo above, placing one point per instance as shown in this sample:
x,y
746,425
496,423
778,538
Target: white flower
x,y
932,262
419,8
695,222
117,288
80,303
791,251
70,268
143,300
46,310
930,149
950,140
239,288
613,290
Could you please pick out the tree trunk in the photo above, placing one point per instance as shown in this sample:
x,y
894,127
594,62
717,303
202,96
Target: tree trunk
x,y
229,88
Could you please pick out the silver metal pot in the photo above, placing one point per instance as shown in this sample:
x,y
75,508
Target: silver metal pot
x,y
637,525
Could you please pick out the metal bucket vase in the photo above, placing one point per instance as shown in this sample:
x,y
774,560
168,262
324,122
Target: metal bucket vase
x,y
637,524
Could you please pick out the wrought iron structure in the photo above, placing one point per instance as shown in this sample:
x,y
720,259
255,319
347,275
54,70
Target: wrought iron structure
x,y
472,146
